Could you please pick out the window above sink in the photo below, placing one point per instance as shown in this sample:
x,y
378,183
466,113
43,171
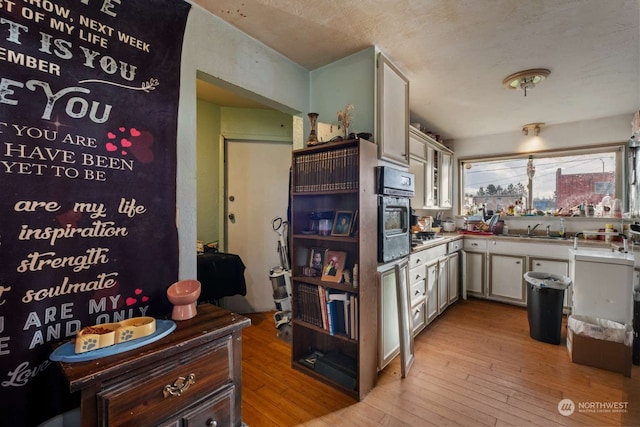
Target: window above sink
x,y
551,182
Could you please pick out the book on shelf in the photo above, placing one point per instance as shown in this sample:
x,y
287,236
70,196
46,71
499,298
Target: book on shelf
x,y
326,170
308,304
333,310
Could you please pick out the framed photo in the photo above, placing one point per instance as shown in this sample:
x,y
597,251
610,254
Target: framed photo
x,y
316,260
333,265
342,223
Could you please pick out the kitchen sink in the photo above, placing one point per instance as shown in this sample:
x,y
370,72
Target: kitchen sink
x,y
549,237
535,236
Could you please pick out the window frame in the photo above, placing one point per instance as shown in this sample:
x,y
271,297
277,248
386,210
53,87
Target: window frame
x,y
621,155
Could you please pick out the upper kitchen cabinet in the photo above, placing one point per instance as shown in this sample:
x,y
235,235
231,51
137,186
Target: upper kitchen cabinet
x,y
432,164
393,113
379,93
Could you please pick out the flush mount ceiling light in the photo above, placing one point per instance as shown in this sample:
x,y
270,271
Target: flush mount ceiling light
x,y
526,79
533,128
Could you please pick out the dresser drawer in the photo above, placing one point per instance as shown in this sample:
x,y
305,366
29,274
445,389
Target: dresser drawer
x,y
213,411
168,387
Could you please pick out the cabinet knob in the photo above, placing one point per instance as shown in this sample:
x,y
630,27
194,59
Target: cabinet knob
x,y
538,264
211,423
518,262
474,244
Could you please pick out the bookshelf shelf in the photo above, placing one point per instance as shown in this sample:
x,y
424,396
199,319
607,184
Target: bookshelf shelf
x,y
326,238
330,316
322,331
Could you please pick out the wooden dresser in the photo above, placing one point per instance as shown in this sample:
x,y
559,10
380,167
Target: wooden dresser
x,y
190,377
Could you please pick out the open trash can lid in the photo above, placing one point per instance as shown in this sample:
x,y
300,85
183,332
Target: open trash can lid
x,y
547,280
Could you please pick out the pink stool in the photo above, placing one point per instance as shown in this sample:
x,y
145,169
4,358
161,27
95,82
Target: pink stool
x,y
184,294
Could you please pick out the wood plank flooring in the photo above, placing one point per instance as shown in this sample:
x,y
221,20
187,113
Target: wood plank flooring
x,y
475,366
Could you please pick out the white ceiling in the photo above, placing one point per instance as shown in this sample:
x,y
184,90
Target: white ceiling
x,y
457,52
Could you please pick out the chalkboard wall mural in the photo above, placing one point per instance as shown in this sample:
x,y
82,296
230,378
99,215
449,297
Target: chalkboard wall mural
x,y
88,121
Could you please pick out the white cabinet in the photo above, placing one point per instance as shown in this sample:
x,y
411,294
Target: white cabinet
x,y
431,178
553,266
506,277
432,290
473,262
432,164
454,277
474,272
443,284
446,177
418,293
393,113
389,328
417,168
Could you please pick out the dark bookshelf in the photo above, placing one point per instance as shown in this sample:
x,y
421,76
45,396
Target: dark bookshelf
x,y
331,317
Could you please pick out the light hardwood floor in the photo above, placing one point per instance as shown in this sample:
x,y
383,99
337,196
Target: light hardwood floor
x,y
475,365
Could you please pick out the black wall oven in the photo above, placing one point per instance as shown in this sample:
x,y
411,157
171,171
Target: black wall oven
x,y
395,188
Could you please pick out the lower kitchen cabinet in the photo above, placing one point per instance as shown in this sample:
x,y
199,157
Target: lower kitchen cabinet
x,y
433,280
474,273
443,284
506,277
454,277
389,327
432,290
418,293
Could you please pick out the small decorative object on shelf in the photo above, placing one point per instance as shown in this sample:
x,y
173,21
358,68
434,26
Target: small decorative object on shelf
x,y
344,117
313,136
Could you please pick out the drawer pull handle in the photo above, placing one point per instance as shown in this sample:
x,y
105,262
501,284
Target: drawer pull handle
x,y
179,386
211,423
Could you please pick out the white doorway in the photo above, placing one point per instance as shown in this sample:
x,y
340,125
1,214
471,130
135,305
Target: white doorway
x,y
256,191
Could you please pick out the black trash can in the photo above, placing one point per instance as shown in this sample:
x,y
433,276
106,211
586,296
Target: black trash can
x,y
545,297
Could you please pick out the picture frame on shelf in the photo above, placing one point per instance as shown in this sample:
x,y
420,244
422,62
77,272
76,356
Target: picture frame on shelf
x,y
334,262
342,223
316,260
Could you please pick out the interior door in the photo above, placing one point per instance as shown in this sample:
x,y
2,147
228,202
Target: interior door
x,y
257,191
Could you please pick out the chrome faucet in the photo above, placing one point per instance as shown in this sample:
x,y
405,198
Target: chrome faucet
x,y
530,230
575,239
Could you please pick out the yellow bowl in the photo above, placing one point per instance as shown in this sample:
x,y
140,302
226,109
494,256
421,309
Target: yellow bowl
x,y
436,229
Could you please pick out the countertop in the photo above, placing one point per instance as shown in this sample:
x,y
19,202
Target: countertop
x,y
444,238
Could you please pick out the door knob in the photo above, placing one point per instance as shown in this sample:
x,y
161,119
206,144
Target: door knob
x,y
232,217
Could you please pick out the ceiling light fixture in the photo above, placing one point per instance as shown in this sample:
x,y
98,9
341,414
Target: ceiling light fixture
x,y
526,79
535,127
